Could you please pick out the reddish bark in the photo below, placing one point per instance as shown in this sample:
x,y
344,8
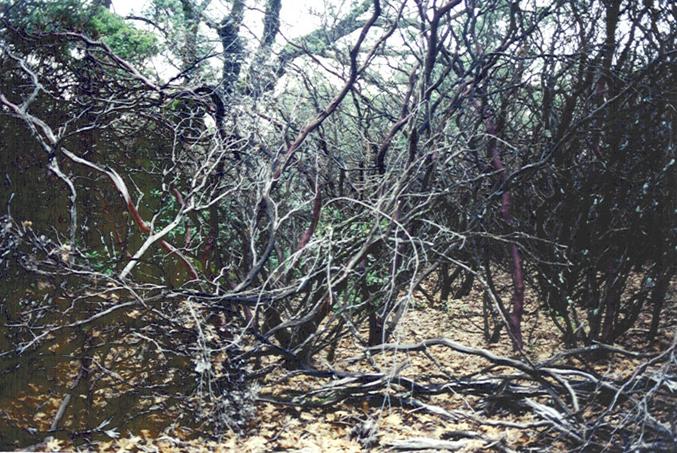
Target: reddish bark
x,y
164,244
517,301
315,218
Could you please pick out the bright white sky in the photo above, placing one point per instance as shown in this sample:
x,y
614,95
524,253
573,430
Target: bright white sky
x,y
296,17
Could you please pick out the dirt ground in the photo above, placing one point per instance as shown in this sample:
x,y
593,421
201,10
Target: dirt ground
x,y
278,427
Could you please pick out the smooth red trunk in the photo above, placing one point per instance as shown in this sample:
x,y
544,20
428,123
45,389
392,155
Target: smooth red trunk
x,y
517,300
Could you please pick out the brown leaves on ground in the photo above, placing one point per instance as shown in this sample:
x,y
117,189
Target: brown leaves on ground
x,y
283,427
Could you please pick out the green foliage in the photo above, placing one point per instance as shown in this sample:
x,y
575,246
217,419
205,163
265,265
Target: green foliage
x,y
374,278
40,17
99,262
182,37
125,40
49,17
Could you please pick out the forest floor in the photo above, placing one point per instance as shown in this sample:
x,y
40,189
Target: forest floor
x,y
278,427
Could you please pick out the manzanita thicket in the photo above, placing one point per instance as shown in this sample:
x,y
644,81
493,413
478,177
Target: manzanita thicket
x,y
194,196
